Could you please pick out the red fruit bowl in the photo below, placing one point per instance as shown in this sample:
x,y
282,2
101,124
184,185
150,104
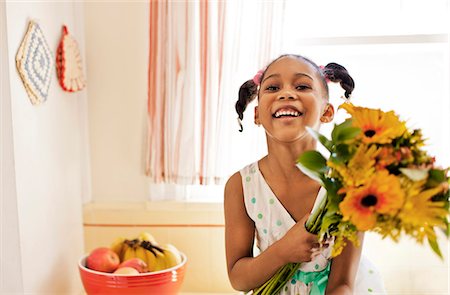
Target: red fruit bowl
x,y
162,282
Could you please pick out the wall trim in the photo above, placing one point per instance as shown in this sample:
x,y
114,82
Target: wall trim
x,y
151,225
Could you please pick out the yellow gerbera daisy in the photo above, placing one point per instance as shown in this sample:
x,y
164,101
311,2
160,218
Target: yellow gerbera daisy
x,y
377,126
381,195
420,211
360,167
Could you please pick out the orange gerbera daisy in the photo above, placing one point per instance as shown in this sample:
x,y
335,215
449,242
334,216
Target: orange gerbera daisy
x,y
385,157
377,126
382,194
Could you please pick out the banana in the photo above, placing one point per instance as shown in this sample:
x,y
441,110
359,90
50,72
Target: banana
x,y
172,255
151,260
155,255
160,261
123,250
129,253
146,248
145,236
140,253
117,245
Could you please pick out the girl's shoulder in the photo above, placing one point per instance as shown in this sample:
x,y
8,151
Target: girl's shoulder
x,y
233,195
249,168
234,183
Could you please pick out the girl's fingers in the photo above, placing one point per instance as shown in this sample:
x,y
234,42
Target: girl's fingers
x,y
315,253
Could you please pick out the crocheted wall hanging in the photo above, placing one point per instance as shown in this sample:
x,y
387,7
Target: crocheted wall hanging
x,y
34,62
69,66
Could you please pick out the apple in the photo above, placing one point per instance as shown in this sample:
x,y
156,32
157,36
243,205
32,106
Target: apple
x,y
103,259
136,263
127,270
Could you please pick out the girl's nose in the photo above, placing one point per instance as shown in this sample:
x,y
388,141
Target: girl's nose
x,y
286,95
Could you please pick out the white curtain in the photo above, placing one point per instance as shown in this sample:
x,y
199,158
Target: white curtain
x,y
200,54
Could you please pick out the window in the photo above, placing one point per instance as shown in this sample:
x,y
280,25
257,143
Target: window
x,y
397,51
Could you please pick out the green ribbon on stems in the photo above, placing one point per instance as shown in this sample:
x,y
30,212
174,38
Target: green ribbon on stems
x,y
319,279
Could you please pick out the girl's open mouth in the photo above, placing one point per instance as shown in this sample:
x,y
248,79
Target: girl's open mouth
x,y
287,112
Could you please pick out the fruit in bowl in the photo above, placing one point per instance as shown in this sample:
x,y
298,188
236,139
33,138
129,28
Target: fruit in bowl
x,y
126,270
156,256
145,267
162,282
103,259
136,263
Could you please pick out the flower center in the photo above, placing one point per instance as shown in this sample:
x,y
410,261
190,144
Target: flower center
x,y
369,133
369,201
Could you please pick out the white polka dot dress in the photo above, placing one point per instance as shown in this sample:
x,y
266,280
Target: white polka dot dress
x,y
272,221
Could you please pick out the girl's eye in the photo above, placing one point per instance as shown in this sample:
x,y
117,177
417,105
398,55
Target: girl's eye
x,y
302,87
272,88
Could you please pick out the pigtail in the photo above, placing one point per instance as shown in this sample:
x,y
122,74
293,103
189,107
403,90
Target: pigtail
x,y
337,73
247,93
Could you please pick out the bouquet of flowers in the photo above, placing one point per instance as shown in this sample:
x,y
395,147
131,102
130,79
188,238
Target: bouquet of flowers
x,y
378,178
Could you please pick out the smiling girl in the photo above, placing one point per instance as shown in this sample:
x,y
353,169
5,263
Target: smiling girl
x,y
270,200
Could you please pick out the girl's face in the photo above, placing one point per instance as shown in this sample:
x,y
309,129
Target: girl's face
x,y
291,97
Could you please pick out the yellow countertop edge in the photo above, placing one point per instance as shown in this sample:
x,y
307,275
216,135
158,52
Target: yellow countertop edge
x,y
153,213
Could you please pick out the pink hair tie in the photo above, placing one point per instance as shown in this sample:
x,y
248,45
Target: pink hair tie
x,y
257,77
322,68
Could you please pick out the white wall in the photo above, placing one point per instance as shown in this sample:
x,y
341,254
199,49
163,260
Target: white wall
x,y
117,55
50,160
10,258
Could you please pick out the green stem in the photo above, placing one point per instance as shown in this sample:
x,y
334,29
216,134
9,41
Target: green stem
x,y
273,282
284,274
314,221
266,285
292,268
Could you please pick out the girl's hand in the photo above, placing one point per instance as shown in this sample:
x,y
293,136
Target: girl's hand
x,y
298,245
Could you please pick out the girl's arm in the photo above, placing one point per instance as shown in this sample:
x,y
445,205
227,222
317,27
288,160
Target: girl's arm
x,y
343,269
245,271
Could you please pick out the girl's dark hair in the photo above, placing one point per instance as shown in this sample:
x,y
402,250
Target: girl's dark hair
x,y
338,74
247,93
331,72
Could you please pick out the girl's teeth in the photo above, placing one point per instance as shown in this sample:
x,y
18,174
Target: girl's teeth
x,y
287,113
